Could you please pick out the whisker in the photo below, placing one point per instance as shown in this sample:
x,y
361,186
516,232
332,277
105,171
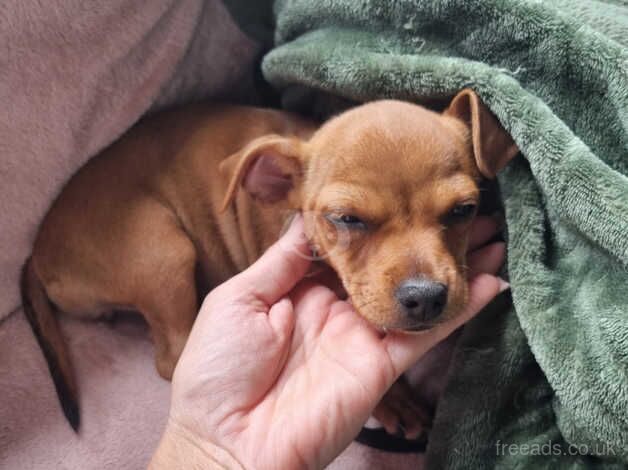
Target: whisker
x,y
364,304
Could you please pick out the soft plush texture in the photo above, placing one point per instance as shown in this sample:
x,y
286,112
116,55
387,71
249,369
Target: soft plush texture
x,y
554,370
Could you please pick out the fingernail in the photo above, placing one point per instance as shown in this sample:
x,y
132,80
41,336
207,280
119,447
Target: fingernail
x,y
294,223
292,234
285,301
296,218
503,285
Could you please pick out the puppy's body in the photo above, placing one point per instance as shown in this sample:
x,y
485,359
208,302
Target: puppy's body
x,y
143,226
159,186
139,228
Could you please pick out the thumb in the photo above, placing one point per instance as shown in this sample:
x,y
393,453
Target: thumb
x,y
280,267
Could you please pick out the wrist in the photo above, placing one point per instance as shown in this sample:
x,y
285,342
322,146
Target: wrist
x,y
181,449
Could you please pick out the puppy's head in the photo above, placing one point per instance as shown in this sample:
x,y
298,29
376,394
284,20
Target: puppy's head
x,y
388,191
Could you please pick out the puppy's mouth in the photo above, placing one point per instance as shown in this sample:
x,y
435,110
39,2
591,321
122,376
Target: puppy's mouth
x,y
395,324
417,328
396,321
409,329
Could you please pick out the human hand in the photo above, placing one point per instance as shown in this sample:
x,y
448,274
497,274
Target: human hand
x,y
279,373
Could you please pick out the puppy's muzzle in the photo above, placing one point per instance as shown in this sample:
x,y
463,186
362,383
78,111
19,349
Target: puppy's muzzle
x,y
421,300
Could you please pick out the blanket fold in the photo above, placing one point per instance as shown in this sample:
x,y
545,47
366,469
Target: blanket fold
x,y
548,381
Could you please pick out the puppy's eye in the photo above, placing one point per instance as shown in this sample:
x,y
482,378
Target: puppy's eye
x,y
461,212
346,220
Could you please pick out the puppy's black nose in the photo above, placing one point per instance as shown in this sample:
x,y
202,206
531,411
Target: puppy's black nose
x,y
421,299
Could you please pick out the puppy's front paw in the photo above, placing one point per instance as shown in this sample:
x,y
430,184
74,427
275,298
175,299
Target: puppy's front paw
x,y
401,413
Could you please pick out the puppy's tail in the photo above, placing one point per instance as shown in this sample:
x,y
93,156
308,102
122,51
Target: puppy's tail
x,y
41,316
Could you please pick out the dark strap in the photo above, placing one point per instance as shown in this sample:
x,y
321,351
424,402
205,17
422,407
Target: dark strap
x,y
380,439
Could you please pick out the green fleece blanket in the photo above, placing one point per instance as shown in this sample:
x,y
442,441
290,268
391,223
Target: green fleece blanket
x,y
546,384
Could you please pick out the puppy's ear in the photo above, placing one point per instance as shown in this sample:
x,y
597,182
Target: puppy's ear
x,y
492,145
269,168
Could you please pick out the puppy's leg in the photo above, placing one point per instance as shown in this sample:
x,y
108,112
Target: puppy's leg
x,y
171,304
400,411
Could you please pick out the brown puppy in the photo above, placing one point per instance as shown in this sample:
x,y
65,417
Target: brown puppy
x,y
388,191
